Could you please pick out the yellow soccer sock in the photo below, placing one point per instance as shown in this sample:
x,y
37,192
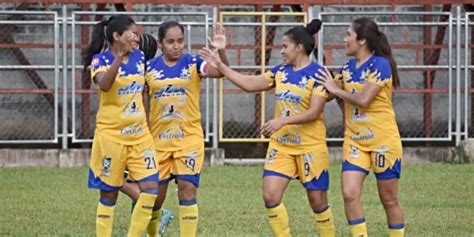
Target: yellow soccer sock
x,y
152,228
105,218
325,223
396,230
278,219
358,228
142,213
188,218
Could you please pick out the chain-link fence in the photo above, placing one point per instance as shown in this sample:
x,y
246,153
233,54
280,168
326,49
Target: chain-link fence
x,y
29,77
242,114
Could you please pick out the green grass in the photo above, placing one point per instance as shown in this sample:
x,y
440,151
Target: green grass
x,y
438,200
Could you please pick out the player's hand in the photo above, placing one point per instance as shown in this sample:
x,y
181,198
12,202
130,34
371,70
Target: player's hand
x,y
219,40
128,43
210,56
271,127
325,78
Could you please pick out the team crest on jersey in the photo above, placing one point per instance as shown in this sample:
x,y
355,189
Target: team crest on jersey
x,y
271,156
174,132
358,115
288,96
308,158
170,91
132,129
131,109
303,82
354,152
363,134
132,88
185,74
149,153
382,149
106,166
289,138
170,112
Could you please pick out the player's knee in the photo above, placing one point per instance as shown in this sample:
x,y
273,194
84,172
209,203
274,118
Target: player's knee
x,y
350,195
187,191
271,199
390,202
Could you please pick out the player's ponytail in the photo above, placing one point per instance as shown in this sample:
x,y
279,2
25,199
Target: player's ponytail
x,y
377,43
148,45
102,34
305,35
96,45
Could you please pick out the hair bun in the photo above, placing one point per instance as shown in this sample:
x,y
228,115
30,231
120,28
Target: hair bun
x,y
314,26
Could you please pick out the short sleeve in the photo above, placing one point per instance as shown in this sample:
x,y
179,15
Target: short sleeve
x,y
148,72
379,72
271,74
319,90
201,65
98,65
340,74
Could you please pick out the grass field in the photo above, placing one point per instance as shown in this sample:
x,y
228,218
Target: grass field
x,y
438,200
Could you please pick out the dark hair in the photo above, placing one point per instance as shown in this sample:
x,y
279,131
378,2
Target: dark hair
x,y
148,45
305,35
103,33
377,42
165,26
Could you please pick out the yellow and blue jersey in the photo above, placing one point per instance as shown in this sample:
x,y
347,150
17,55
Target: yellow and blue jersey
x,y
376,125
175,116
121,116
293,92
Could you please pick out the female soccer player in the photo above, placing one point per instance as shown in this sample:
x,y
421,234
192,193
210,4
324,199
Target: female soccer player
x,y
122,138
297,132
371,139
174,81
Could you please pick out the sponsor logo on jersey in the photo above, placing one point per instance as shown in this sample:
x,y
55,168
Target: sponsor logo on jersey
x,y
169,112
358,115
175,132
363,135
169,91
133,129
354,153
95,62
289,138
132,88
132,109
288,96
271,156
106,165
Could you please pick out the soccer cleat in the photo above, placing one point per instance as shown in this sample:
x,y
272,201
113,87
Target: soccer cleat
x,y
166,217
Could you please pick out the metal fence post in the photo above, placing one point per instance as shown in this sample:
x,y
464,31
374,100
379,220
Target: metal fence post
x,y
65,89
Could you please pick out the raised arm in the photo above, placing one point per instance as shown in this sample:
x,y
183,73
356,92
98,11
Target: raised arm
x,y
245,82
218,42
